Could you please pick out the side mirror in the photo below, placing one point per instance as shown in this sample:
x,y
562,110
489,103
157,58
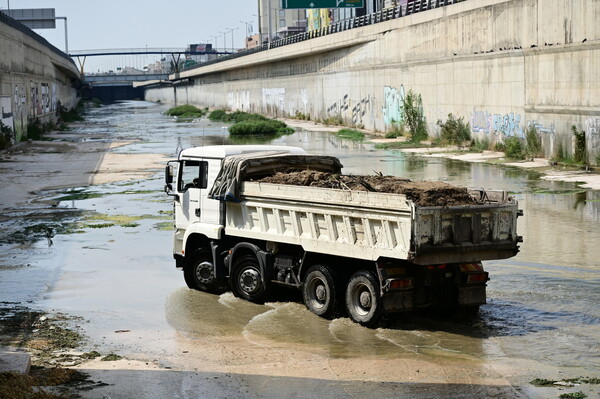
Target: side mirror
x,y
168,174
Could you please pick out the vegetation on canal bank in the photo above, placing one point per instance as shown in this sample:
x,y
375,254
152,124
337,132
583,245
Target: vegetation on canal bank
x,y
351,134
187,111
247,124
5,136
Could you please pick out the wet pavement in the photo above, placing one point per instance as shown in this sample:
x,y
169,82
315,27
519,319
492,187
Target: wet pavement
x,y
107,258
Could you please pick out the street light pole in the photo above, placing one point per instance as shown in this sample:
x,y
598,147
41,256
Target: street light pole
x,y
269,23
230,29
246,35
224,39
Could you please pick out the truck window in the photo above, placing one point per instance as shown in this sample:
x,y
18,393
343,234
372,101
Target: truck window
x,y
193,175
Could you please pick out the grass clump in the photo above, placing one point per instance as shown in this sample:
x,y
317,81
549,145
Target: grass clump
x,y
398,130
5,136
247,124
259,128
580,153
533,144
481,144
36,129
454,131
186,111
235,117
111,358
351,134
69,115
334,120
514,148
217,115
573,395
302,116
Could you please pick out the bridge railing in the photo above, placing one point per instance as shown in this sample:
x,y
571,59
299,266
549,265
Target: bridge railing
x,y
411,7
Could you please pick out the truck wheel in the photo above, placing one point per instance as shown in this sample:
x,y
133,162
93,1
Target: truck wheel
x,y
199,273
247,281
319,292
363,302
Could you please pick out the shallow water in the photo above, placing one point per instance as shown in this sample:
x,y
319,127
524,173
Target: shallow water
x,y
542,317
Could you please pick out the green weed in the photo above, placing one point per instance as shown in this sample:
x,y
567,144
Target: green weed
x,y
533,144
454,131
580,155
5,136
186,111
573,395
481,144
412,114
351,134
514,148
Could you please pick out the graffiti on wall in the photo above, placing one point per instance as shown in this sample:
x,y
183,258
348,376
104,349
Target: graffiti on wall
x,y
507,125
6,114
304,95
360,110
339,107
393,101
592,126
481,122
19,107
274,98
540,128
43,97
239,100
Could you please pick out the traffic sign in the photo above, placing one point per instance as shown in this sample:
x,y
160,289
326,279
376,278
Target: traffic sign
x,y
287,4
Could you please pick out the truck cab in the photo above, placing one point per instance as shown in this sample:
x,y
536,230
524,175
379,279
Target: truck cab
x,y
189,180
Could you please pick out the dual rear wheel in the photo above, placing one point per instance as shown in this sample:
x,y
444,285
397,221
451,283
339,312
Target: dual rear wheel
x,y
361,301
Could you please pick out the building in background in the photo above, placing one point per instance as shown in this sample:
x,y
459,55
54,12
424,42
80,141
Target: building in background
x,y
278,21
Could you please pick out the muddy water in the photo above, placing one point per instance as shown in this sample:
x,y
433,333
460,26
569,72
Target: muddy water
x,y
542,319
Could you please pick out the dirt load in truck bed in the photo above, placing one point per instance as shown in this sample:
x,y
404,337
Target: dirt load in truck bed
x,y
423,193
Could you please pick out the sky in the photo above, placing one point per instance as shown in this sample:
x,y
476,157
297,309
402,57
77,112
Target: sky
x,y
115,24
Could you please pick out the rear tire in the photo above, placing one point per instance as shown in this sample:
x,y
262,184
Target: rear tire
x,y
198,272
247,280
319,292
363,301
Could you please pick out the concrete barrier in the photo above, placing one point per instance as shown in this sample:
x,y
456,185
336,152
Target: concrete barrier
x,y
35,78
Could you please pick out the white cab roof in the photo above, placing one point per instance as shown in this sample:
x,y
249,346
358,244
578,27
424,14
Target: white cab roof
x,y
222,151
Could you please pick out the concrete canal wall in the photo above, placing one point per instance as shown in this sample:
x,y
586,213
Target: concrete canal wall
x,y
35,78
503,65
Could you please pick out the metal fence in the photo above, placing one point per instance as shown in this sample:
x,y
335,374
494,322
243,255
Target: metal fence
x,y
411,7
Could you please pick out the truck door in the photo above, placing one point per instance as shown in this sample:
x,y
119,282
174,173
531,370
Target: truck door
x,y
191,183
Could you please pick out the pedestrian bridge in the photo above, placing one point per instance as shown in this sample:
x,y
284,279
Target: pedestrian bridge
x,y
117,79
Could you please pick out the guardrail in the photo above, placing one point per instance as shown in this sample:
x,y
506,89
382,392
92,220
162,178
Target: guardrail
x,y
412,7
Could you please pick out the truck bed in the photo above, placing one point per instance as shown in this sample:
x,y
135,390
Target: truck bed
x,y
369,225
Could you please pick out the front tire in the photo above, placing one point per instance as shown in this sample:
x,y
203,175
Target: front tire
x,y
319,292
363,301
247,280
199,273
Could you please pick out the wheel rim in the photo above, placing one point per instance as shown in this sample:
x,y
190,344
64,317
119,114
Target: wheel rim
x,y
204,272
361,299
318,293
250,280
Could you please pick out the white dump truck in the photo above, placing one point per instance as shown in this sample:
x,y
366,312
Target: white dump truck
x,y
357,253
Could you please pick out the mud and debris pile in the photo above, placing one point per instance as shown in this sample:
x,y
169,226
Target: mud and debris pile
x,y
423,193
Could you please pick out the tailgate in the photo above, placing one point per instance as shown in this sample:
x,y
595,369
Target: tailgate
x,y
467,233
